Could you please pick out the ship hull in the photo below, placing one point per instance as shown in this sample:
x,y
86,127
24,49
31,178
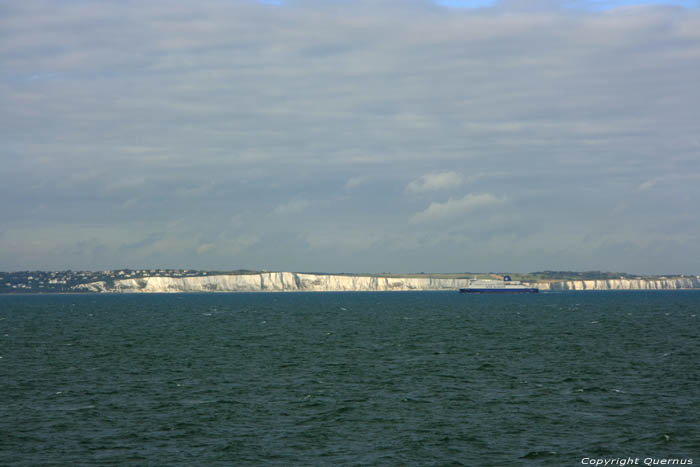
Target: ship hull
x,y
495,290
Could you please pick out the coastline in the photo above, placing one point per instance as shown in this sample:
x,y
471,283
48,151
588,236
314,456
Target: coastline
x,y
303,282
189,281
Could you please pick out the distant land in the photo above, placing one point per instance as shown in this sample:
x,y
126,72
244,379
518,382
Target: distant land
x,y
243,280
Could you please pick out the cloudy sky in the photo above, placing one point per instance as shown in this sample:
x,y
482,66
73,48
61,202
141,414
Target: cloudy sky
x,y
350,135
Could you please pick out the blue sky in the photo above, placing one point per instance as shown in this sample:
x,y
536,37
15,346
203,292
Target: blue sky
x,y
355,136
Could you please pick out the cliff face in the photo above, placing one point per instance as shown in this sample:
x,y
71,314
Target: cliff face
x,y
290,282
273,282
623,284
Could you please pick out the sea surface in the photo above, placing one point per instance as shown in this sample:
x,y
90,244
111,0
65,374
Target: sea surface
x,y
388,378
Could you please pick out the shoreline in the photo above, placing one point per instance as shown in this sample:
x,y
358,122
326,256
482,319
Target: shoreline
x,y
117,282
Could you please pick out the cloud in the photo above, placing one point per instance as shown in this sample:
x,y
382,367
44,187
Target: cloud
x,y
204,247
178,117
456,207
435,181
676,179
291,207
648,184
341,240
354,182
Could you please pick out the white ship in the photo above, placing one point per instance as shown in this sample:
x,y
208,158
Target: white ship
x,y
495,286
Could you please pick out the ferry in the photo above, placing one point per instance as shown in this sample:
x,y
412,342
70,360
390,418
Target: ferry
x,y
495,286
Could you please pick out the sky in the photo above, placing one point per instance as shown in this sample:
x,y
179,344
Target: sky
x,y
350,135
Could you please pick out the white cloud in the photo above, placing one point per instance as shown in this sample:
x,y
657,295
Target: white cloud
x,y
435,181
456,207
356,181
677,179
648,184
292,207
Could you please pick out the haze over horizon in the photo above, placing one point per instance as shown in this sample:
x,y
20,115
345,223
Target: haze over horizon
x,y
350,136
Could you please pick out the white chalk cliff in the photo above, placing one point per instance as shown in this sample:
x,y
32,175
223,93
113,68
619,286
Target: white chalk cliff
x,y
623,284
273,282
291,282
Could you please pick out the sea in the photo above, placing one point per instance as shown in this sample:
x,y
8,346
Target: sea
x,y
364,378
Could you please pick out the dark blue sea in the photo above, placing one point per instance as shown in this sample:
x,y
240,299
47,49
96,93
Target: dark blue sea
x,y
392,378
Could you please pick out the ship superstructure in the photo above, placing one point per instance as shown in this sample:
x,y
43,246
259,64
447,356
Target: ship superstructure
x,y
497,286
